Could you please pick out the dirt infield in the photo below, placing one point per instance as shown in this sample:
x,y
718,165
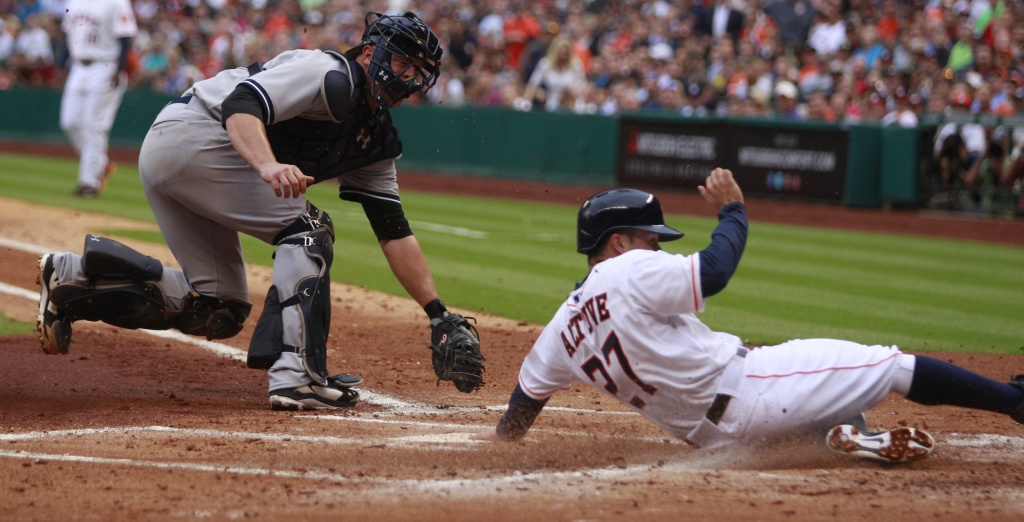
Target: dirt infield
x,y
131,425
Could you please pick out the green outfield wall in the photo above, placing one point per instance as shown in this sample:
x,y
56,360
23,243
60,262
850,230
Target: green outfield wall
x,y
862,166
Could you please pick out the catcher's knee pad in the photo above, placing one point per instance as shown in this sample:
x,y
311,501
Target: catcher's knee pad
x,y
105,258
211,317
297,313
121,291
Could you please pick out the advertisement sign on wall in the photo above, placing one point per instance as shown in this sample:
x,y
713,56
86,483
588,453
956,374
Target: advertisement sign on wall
x,y
792,161
668,153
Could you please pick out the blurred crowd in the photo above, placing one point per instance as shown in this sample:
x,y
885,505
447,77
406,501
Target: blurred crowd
x,y
842,61
883,61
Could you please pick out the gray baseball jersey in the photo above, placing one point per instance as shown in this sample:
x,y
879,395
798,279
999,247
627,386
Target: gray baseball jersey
x,y
203,193
311,121
203,197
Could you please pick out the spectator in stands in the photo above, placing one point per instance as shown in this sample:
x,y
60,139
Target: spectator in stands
x,y
491,27
828,31
1004,91
668,99
818,108
845,111
450,90
25,9
762,31
33,51
870,47
154,59
907,52
902,113
957,151
888,25
520,28
961,53
794,18
786,101
461,44
697,96
988,182
1012,179
815,75
982,103
7,37
718,19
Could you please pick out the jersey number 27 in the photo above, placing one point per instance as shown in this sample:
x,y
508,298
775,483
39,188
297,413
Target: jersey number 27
x,y
594,365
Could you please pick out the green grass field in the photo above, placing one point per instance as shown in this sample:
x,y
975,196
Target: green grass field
x,y
517,260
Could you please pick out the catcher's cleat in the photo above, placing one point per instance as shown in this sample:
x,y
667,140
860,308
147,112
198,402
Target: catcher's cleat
x,y
313,397
895,446
54,328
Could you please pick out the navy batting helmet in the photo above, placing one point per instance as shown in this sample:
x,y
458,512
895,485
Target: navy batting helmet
x,y
405,36
617,209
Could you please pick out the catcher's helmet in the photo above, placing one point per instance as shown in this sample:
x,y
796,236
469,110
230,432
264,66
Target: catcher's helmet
x,y
405,36
617,209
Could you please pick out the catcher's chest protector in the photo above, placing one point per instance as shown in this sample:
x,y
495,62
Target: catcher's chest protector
x,y
325,149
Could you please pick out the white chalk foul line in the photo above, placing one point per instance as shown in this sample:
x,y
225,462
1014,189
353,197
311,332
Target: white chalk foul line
x,y
246,435
481,485
460,433
189,466
24,247
17,291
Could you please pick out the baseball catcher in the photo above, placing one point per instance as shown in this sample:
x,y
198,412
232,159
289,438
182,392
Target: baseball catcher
x,y
234,154
455,352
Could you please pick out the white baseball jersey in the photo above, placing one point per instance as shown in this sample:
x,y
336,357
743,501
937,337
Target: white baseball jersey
x,y
631,330
93,28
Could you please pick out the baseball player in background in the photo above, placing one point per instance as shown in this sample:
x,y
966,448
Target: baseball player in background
x,y
99,35
630,329
235,154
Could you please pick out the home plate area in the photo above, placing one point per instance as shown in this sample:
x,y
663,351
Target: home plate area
x,y
140,425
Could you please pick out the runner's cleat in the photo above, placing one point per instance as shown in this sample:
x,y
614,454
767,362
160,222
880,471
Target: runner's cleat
x,y
894,446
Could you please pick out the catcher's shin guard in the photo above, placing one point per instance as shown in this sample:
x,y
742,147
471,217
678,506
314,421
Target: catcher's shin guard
x,y
128,289
297,312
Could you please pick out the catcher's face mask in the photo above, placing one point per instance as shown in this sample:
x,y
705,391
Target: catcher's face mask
x,y
406,57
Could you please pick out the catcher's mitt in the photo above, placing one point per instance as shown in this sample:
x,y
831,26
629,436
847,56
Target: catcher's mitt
x,y
455,352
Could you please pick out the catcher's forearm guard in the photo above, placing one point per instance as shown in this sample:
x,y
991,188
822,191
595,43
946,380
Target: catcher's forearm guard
x,y
455,352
